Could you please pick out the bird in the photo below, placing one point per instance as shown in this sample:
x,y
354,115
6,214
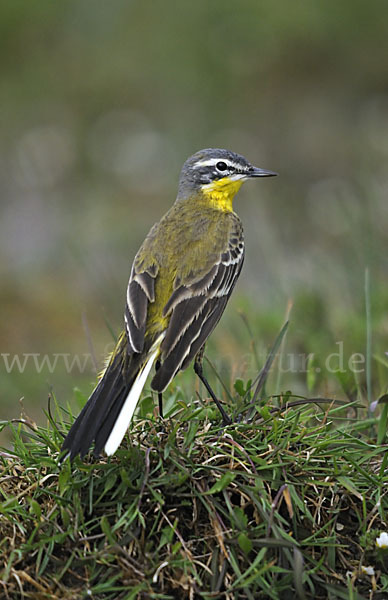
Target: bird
x,y
180,282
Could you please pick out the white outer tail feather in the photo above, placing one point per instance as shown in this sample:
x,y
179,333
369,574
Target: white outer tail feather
x,y
123,420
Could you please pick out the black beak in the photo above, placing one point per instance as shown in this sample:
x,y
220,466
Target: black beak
x,y
256,172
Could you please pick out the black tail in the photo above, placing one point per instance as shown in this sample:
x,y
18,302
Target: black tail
x,y
98,416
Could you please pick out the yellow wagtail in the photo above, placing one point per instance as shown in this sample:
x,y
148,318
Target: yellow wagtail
x,y
181,280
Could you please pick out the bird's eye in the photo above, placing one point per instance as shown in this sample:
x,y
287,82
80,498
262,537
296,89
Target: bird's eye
x,y
221,166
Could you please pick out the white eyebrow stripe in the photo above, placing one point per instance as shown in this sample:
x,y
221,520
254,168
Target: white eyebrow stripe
x,y
210,162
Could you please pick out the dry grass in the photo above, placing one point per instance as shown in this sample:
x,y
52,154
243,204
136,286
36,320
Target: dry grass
x,y
287,505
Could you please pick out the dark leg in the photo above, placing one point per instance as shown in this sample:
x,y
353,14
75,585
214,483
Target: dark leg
x,y
160,398
160,395
198,368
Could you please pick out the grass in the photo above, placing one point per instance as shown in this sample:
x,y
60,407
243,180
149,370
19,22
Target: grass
x,y
285,503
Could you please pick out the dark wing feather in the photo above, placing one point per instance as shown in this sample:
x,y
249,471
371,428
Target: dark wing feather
x,y
180,320
195,310
141,291
206,329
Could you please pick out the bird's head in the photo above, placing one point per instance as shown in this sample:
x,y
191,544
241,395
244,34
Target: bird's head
x,y
217,175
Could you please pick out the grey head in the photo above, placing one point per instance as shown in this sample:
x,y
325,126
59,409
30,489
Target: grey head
x,y
212,164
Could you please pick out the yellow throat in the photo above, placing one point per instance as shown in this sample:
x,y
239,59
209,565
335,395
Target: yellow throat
x,y
220,193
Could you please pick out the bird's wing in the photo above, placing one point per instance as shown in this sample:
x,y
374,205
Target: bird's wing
x,y
140,291
195,308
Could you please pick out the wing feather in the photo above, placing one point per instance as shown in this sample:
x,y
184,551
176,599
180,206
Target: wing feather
x,y
181,320
171,365
195,310
207,327
140,291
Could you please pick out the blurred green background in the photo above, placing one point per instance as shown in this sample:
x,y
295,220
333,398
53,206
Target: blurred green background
x,y
101,102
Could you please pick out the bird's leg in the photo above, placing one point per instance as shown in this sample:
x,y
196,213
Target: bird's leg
x,y
198,368
160,394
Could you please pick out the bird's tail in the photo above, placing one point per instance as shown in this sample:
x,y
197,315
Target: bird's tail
x,y
106,416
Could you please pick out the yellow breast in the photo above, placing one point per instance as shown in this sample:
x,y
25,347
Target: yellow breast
x,y
220,193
